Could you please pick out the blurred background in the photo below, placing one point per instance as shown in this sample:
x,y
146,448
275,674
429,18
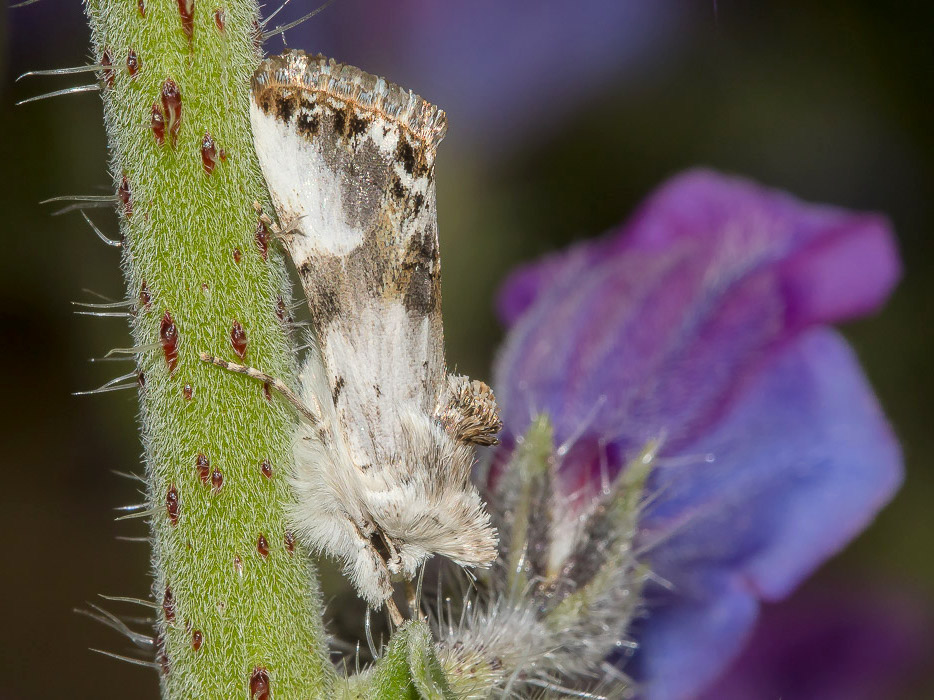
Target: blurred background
x,y
563,115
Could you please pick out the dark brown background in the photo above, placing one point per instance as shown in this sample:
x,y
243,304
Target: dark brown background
x,y
830,100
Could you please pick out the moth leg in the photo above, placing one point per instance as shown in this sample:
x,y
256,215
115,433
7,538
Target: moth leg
x,y
394,613
468,411
273,227
378,560
313,418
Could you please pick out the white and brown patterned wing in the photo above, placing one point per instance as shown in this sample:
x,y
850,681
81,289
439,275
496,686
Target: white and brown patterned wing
x,y
349,160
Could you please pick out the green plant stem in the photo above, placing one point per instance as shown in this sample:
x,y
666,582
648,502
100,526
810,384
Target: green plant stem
x,y
239,606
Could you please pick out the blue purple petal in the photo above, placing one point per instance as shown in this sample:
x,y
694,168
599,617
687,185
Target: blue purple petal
x,y
802,463
828,644
701,322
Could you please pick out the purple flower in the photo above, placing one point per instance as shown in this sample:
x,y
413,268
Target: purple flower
x,y
703,322
826,644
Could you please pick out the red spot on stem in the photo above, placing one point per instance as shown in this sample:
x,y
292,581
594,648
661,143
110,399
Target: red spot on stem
x,y
171,504
123,192
238,339
161,655
197,639
203,465
220,19
237,255
262,546
280,308
145,298
262,238
266,469
157,123
217,480
107,71
257,38
267,392
259,684
187,392
168,605
132,63
289,542
186,8
172,108
208,153
141,6
168,336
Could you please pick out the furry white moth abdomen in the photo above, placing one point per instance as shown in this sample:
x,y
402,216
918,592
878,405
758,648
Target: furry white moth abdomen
x,y
385,520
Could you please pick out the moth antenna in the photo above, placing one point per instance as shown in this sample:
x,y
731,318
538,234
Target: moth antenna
x,y
59,71
23,4
109,241
369,634
283,28
135,601
139,514
135,350
94,87
110,620
357,659
112,385
106,305
121,657
276,384
124,538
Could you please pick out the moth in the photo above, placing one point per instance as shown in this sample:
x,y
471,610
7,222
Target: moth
x,y
384,453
